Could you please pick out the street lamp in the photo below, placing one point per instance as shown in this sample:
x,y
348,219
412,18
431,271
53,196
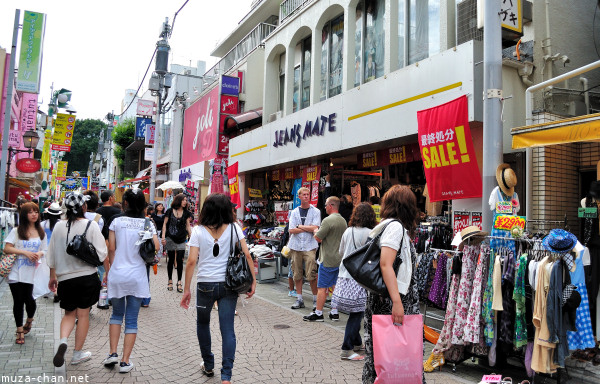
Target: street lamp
x,y
30,141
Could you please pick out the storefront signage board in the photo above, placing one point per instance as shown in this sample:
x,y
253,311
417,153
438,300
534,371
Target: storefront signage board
x,y
149,134
587,213
200,130
28,111
30,57
460,221
289,173
234,183
145,107
255,193
276,175
141,124
61,173
476,219
389,156
282,216
508,222
230,85
64,127
298,133
14,138
448,153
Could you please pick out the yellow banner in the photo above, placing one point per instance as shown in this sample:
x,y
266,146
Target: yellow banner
x,y
254,192
581,128
64,126
61,173
46,150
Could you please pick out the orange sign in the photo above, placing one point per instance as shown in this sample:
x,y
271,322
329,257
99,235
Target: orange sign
x,y
508,222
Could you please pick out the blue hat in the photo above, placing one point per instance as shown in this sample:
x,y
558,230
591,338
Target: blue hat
x,y
559,241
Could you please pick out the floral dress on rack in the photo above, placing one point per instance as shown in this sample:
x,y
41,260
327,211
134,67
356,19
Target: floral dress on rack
x,y
443,343
473,327
465,289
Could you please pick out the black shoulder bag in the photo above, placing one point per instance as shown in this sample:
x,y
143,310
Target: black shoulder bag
x,y
147,248
237,276
81,248
363,264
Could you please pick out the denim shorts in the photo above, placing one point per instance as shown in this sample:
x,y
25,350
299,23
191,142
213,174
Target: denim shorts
x,y
327,276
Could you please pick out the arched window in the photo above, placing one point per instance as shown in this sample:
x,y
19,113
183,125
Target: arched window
x,y
301,95
332,54
369,40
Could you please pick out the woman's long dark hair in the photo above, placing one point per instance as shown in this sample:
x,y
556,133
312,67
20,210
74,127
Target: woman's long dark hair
x,y
52,219
216,211
399,202
74,213
176,204
136,203
363,215
156,208
23,227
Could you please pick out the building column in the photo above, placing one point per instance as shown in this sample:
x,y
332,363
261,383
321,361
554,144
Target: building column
x,y
348,64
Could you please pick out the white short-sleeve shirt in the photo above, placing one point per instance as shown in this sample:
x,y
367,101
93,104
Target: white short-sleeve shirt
x,y
211,269
392,237
127,274
23,270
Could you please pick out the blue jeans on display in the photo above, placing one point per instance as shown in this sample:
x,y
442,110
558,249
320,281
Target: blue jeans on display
x,y
128,307
206,295
352,335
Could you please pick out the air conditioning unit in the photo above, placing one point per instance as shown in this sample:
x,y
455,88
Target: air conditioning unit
x,y
466,22
274,116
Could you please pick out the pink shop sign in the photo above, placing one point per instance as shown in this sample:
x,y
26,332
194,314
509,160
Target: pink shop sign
x,y
28,111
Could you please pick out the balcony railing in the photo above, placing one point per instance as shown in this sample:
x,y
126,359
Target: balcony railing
x,y
239,52
288,7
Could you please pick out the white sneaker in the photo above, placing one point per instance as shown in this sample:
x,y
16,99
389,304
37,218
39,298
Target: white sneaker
x,y
80,357
111,360
124,367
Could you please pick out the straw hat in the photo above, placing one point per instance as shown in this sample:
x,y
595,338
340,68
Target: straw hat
x,y
472,231
506,179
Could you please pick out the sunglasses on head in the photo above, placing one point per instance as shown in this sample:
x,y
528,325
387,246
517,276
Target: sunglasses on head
x,y
216,248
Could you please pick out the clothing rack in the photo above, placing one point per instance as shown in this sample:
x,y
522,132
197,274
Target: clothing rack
x,y
445,250
5,203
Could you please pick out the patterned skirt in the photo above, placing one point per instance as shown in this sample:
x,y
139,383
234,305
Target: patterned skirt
x,y
348,296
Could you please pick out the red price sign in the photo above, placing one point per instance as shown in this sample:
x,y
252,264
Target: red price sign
x,y
461,221
507,222
282,216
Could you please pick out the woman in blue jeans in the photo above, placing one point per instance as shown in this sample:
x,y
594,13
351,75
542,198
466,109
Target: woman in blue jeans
x,y
127,280
210,246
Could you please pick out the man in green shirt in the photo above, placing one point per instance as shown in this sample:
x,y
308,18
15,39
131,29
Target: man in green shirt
x,y
329,235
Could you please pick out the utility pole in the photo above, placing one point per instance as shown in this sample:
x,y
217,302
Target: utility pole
x,y
161,68
110,117
9,96
492,105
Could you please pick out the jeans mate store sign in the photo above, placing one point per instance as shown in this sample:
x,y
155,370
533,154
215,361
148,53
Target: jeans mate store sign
x,y
299,133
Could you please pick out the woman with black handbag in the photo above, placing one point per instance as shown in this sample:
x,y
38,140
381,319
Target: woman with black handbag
x,y
398,213
127,279
76,282
211,244
175,231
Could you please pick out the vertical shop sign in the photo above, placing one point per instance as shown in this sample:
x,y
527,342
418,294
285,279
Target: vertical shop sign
x,y
46,150
289,173
28,111
149,134
200,131
61,173
311,176
229,105
64,126
30,58
234,183
295,188
314,193
461,221
448,153
276,175
476,219
216,181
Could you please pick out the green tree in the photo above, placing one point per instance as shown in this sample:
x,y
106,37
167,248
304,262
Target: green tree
x,y
85,141
123,136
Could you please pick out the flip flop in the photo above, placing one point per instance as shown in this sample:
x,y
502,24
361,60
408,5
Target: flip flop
x,y
355,357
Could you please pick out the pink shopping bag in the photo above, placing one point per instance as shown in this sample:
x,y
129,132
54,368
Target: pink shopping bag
x,y
398,350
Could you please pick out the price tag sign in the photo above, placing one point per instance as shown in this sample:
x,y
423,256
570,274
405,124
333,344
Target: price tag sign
x,y
257,193
588,212
507,222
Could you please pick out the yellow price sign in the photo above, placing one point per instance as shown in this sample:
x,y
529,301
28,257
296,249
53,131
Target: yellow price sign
x,y
254,192
508,222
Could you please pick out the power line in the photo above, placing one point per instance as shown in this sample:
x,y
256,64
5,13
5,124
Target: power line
x,y
141,83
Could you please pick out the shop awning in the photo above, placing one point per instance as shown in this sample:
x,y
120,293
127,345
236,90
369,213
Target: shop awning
x,y
576,129
132,181
243,120
18,183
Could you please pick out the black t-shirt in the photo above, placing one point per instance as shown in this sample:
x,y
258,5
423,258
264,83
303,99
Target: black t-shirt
x,y
303,213
107,213
176,227
158,220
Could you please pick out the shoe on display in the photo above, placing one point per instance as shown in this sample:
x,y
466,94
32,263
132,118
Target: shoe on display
x,y
298,304
334,317
314,317
124,367
111,360
80,357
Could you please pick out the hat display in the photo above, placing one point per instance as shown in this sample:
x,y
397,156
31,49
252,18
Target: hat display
x,y
506,178
595,189
75,200
559,241
472,231
54,209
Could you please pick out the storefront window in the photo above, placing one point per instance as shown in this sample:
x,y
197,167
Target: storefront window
x,y
424,26
372,41
332,57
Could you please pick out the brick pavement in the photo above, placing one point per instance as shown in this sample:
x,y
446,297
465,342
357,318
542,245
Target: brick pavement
x,y
167,351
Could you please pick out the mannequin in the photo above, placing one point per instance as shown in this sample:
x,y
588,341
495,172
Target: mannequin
x,y
504,201
591,239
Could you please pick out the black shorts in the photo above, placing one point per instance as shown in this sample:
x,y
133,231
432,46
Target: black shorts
x,y
79,292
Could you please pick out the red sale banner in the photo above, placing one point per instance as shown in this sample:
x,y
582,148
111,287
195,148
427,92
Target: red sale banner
x,y
314,195
234,183
476,219
447,151
311,174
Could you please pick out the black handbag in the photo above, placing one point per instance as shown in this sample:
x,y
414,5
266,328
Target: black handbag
x,y
363,265
81,248
147,248
237,276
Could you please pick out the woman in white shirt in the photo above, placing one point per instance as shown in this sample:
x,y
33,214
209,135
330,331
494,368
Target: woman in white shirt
x,y
27,242
75,281
210,246
127,280
399,213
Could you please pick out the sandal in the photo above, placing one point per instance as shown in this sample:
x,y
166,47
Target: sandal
x,y
179,288
170,286
27,326
20,339
355,357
